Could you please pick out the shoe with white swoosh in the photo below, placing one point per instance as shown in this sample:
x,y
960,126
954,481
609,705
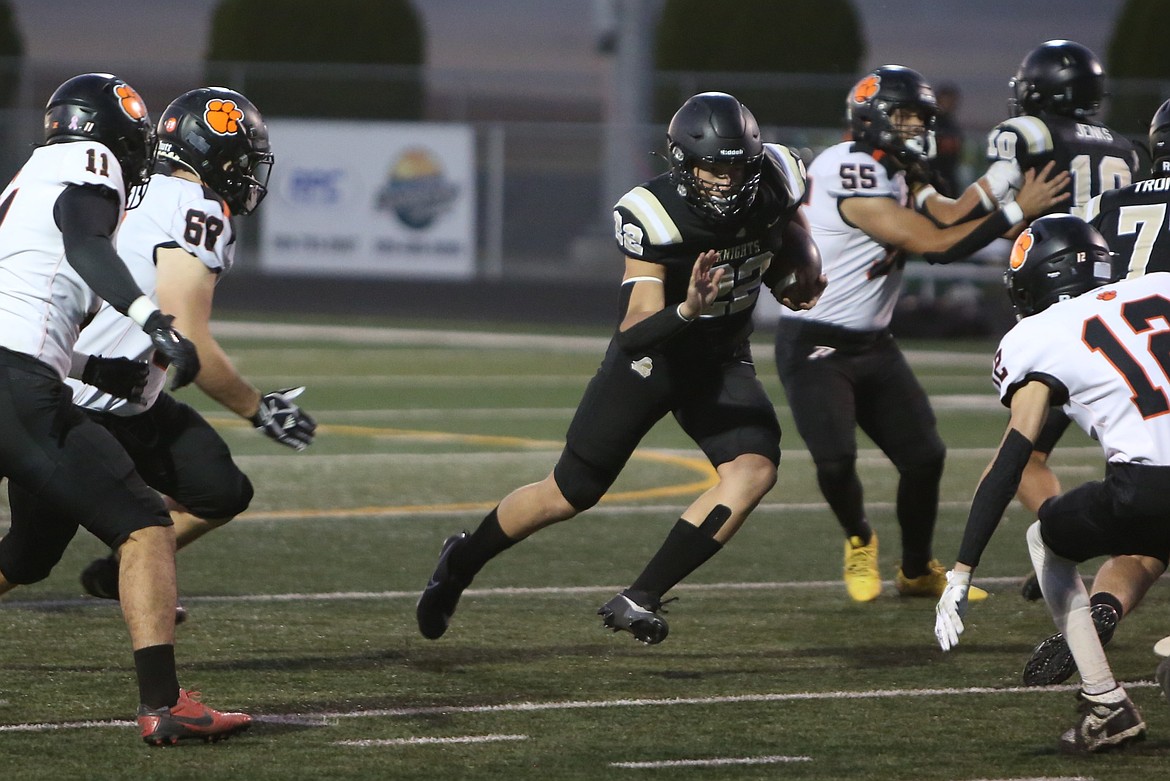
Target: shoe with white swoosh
x,y
1108,721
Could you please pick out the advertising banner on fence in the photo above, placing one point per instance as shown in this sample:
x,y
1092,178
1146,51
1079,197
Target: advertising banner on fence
x,y
375,199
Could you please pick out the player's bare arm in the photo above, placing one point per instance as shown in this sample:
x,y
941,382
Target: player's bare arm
x,y
888,222
186,287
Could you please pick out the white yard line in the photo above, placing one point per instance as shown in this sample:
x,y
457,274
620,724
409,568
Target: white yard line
x,y
459,739
330,718
716,762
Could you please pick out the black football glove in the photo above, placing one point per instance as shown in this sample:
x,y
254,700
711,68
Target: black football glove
x,y
282,420
119,377
176,349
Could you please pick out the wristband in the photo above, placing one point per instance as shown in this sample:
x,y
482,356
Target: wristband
x,y
1014,212
925,192
681,316
140,310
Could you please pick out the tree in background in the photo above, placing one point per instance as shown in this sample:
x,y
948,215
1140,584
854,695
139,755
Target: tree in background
x,y
289,56
1137,66
814,38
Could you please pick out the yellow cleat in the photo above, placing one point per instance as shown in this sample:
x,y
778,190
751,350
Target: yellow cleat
x,y
862,579
932,584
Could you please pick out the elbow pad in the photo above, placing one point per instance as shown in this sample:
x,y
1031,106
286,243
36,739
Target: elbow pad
x,y
995,491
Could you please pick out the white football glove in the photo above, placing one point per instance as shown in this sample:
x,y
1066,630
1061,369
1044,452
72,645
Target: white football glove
x,y
951,607
283,421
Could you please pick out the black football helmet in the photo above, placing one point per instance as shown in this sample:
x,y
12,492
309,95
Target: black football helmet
x,y
101,107
1160,140
1056,258
1059,77
217,134
714,128
872,103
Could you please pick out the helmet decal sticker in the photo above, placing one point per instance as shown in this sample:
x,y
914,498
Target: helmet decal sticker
x,y
1020,249
223,117
867,88
132,105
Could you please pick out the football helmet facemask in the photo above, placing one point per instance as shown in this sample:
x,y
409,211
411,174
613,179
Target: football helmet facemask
x,y
877,109
217,134
101,107
1056,258
1060,77
1160,140
717,133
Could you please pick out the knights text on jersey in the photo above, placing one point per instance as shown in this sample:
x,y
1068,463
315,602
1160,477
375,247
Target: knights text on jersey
x,y
1133,221
654,223
1097,158
175,213
43,301
1102,349
864,275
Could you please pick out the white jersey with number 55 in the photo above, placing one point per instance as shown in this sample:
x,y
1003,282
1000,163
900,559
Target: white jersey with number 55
x,y
175,213
1106,356
864,275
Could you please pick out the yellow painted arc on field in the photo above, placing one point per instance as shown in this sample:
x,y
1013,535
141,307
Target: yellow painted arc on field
x,y
700,465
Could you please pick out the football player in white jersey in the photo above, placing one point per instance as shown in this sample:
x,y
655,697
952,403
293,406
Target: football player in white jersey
x,y
839,364
58,219
213,164
1095,348
1133,222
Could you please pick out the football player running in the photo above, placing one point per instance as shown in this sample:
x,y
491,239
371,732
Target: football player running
x,y
839,363
213,164
1133,221
58,220
1096,352
698,243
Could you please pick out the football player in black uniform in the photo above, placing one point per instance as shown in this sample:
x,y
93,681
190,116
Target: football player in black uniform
x,y
1056,93
1133,221
699,242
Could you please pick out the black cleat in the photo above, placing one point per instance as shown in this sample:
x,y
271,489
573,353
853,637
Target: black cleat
x,y
1052,662
1103,726
644,623
1030,588
437,603
100,579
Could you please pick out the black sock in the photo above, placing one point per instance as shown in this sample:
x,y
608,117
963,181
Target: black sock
x,y
1105,598
158,682
917,504
484,544
682,552
841,488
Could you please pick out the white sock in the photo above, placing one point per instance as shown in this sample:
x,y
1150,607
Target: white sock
x,y
1068,601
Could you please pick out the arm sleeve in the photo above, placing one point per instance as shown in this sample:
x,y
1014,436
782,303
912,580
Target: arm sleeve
x,y
995,491
991,228
87,217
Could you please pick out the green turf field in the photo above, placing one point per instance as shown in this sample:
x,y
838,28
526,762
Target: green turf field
x,y
302,610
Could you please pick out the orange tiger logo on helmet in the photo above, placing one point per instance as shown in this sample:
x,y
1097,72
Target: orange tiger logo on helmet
x,y
223,116
867,88
131,104
1020,249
